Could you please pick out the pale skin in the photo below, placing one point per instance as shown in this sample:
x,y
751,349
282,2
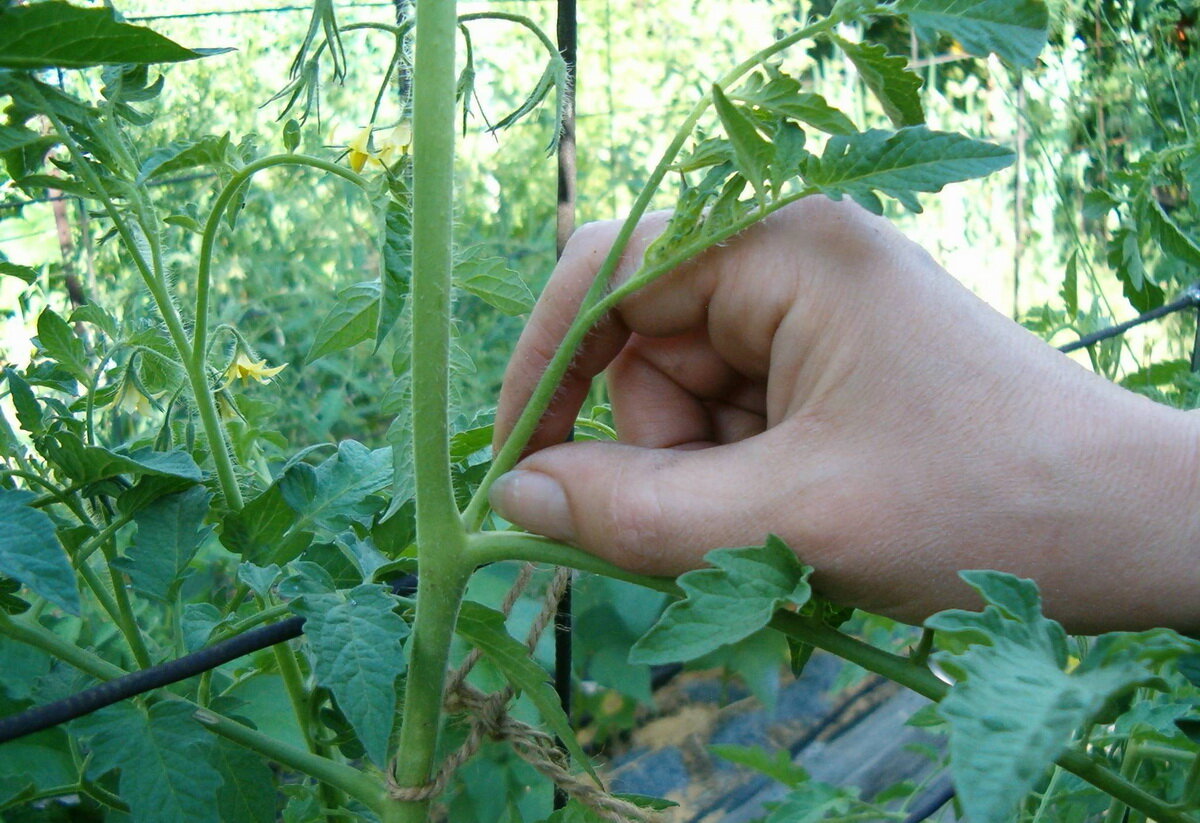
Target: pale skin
x,y
822,378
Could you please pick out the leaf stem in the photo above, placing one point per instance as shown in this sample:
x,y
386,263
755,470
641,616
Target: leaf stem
x,y
294,683
40,637
124,616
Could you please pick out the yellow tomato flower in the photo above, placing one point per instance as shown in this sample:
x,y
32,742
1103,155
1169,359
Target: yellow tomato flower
x,y
246,369
392,147
131,401
360,150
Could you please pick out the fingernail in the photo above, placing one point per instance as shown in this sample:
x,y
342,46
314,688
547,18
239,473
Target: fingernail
x,y
534,501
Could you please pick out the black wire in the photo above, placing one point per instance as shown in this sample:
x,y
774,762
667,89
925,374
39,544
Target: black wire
x,y
1190,298
87,701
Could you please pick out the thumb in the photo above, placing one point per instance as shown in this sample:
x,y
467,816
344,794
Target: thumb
x,y
651,511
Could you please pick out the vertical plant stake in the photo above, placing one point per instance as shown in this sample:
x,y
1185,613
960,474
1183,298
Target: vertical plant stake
x,y
131,462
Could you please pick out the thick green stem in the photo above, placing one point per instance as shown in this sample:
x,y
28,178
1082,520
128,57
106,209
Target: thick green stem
x,y
441,542
540,399
42,638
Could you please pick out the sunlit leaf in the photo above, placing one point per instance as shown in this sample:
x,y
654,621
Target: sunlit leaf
x,y
751,153
57,34
209,150
490,279
888,78
780,94
353,318
1013,31
58,341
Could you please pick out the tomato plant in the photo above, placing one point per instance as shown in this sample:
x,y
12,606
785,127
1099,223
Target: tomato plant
x,y
149,517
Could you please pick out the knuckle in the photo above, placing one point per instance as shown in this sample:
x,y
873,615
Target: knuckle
x,y
638,523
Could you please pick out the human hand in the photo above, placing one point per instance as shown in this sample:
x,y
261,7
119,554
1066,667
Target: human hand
x,y
822,378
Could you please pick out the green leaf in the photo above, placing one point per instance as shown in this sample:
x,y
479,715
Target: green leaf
x,y
778,766
59,342
98,317
58,35
291,135
29,410
1070,287
1171,237
726,603
490,279
353,318
209,150
1014,706
900,163
30,551
1014,31
355,642
335,493
260,579
90,464
40,761
167,760
751,153
247,792
395,259
780,94
484,629
554,76
169,531
888,78
260,531
28,274
17,137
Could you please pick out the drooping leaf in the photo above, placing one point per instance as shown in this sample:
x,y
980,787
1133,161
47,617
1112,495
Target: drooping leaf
x,y
751,153
30,551
355,640
1014,706
169,531
1013,31
901,163
57,34
28,274
209,150
725,603
17,137
490,279
779,94
166,759
337,492
888,78
1171,237
90,464
399,437
59,342
554,76
353,318
484,629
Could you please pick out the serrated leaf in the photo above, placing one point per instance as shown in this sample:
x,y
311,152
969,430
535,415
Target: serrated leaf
x,y
58,35
166,759
888,78
261,531
355,642
1014,706
29,410
353,318
30,551
395,258
1013,31
780,94
490,279
209,150
725,603
335,493
1171,237
484,629
169,531
260,579
751,153
554,76
39,761
901,163
90,464
98,317
58,341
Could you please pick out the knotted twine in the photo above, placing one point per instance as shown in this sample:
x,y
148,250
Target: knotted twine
x,y
488,718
